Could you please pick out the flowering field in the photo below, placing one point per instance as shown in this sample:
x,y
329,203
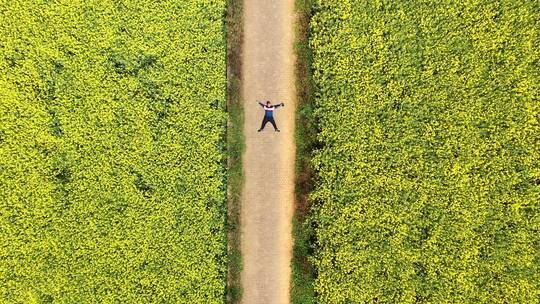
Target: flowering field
x,y
428,177
111,126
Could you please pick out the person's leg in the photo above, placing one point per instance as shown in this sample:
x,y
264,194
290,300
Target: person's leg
x,y
273,122
264,122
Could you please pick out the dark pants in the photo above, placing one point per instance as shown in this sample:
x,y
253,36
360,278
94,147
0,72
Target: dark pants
x,y
268,120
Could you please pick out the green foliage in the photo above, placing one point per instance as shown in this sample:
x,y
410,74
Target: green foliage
x,y
111,176
302,289
235,148
428,178
303,276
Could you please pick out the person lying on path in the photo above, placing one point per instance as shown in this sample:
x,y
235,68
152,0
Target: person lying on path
x,y
269,114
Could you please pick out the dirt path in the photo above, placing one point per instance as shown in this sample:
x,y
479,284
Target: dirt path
x,y
268,194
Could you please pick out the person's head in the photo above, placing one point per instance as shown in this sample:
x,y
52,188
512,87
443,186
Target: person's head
x,y
268,103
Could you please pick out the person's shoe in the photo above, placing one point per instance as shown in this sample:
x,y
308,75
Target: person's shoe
x,y
259,130
277,130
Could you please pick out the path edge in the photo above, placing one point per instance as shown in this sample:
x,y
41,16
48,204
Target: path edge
x,y
302,271
233,28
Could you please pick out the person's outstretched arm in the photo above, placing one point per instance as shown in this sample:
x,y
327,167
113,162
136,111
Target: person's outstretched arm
x,y
279,105
262,105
